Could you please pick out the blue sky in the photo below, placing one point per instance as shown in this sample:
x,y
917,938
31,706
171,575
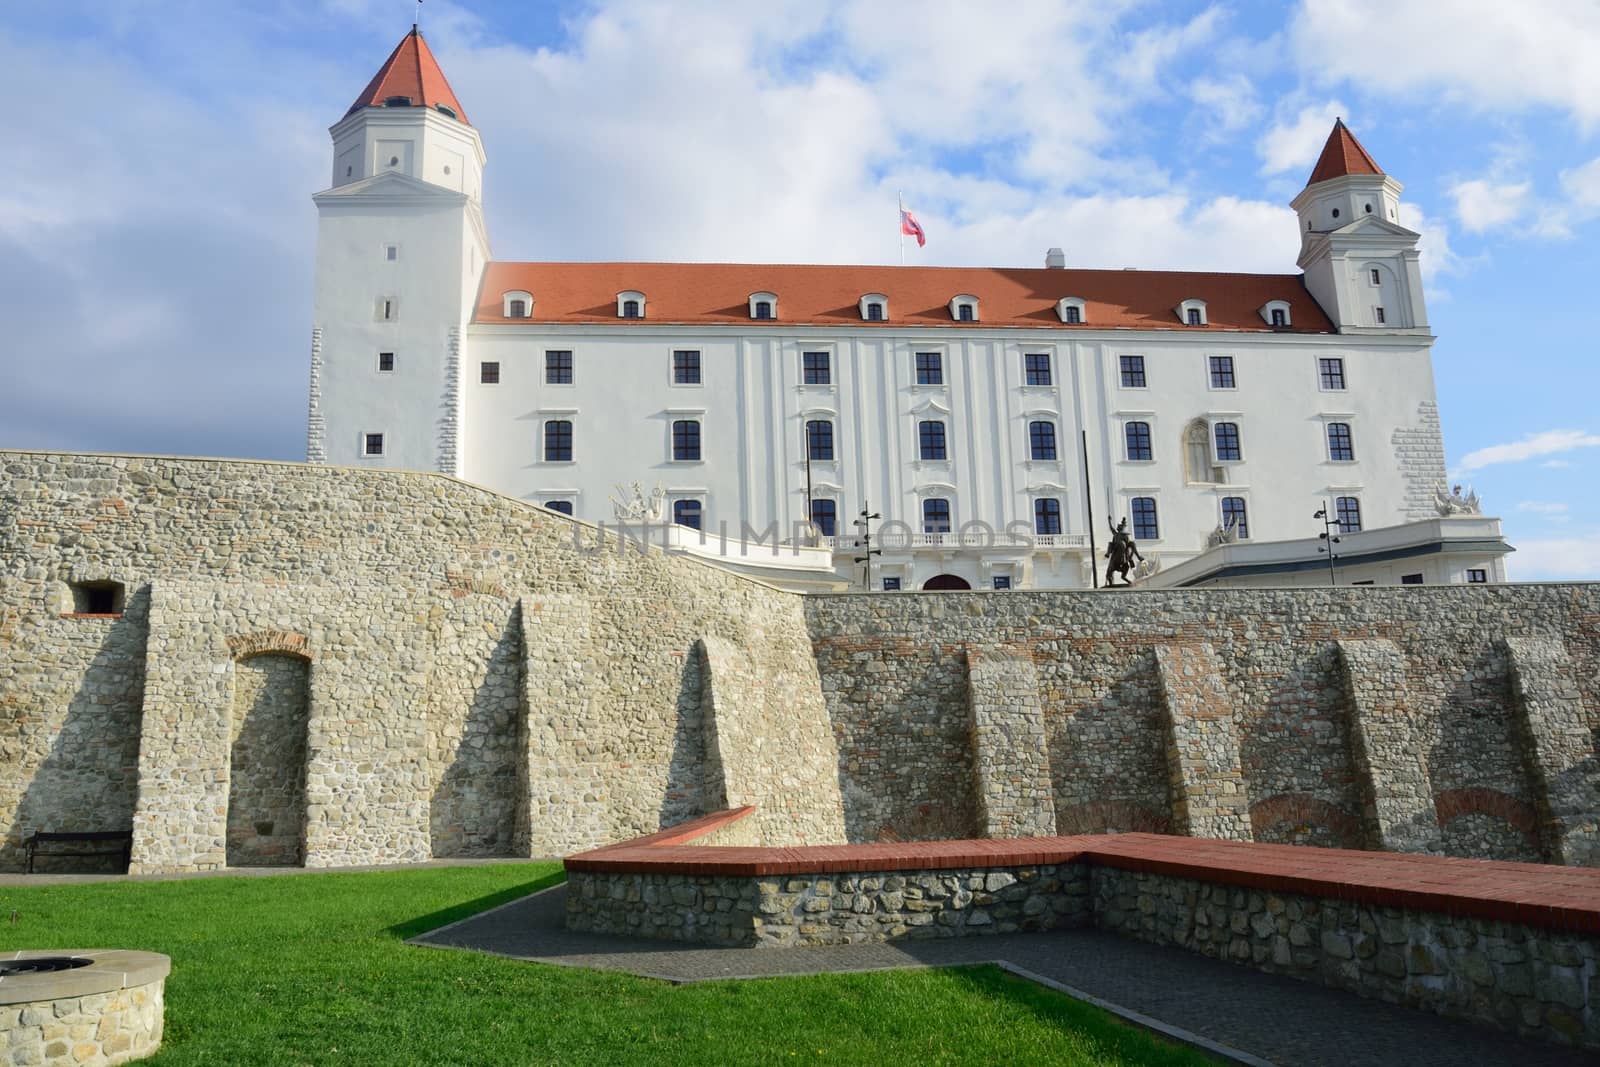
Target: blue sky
x,y
157,233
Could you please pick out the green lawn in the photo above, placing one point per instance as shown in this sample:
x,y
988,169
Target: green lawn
x,y
312,969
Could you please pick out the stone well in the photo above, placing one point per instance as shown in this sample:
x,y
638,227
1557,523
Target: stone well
x,y
86,1008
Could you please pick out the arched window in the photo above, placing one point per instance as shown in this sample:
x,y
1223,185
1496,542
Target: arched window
x,y
630,309
1227,435
819,439
964,308
936,515
931,440
687,513
874,312
1279,317
1192,312
1042,440
1276,314
686,440
764,306
558,441
1071,310
1074,315
874,307
1234,518
1137,437
630,304
1047,516
763,309
516,304
825,516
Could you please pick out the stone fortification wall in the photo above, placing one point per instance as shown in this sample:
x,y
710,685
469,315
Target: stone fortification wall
x,y
1445,720
473,683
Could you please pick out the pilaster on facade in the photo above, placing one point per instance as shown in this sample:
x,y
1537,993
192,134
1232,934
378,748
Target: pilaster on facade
x,y
1011,755
1206,779
1558,742
1389,745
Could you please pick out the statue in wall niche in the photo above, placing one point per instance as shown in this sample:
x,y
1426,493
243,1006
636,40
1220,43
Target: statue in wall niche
x,y
1454,503
631,505
1122,554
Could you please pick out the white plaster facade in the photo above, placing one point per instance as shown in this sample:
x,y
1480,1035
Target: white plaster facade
x,y
469,393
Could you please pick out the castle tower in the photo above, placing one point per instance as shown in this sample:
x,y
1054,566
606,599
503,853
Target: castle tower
x,y
1361,265
401,244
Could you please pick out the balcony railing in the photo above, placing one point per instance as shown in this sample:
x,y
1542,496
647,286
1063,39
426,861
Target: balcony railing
x,y
970,539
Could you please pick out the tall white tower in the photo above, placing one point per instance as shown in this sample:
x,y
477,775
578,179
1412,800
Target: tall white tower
x,y
1361,265
401,244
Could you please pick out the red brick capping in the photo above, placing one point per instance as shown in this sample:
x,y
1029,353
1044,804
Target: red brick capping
x,y
1113,817
1477,800
1303,809
1565,898
263,642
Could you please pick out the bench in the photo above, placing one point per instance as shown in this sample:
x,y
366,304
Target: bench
x,y
90,843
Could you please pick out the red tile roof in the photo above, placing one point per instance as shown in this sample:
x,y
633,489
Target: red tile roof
x,y
1342,156
718,293
412,72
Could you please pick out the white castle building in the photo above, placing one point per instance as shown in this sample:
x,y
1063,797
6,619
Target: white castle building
x,y
994,418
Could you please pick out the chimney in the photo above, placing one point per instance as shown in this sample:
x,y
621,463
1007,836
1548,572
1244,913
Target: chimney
x,y
1055,259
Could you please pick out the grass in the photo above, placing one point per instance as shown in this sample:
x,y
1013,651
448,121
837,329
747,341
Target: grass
x,y
312,969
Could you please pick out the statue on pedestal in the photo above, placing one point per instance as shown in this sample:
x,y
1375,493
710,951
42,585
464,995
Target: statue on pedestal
x,y
1122,554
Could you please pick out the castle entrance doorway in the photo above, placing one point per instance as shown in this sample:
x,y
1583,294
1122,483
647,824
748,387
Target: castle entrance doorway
x,y
946,581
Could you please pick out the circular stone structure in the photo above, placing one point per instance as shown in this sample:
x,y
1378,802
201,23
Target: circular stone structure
x,y
83,1007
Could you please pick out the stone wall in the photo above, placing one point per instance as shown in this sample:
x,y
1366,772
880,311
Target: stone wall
x,y
828,909
477,681
1529,980
1443,720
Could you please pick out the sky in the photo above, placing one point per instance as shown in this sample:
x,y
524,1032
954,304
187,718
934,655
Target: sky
x,y
157,233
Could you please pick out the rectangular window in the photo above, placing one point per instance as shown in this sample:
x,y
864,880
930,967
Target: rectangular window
x,y
1411,579
563,506
391,252
1331,371
386,361
819,439
931,440
518,310
1347,510
1227,434
1477,576
1376,278
489,373
964,313
930,368
1145,526
1002,581
1132,372
825,517
1047,516
386,312
686,513
1137,437
1222,372
891,585
372,444
1379,313
1233,516
1036,368
1194,317
935,515
558,441
1340,446
1042,440
686,367
558,367
817,368
686,440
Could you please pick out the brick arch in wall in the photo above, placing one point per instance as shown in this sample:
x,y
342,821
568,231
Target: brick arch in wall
x,y
1452,804
1112,816
269,642
1288,816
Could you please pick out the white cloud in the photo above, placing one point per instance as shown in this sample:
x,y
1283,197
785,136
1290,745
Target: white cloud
x,y
1548,509
1556,464
1482,204
1437,255
1555,559
1494,56
1295,142
1226,104
1550,442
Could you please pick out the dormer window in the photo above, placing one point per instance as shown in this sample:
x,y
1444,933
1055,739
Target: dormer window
x,y
764,306
443,110
630,305
517,304
397,101
964,308
874,307
1070,310
1276,314
1192,312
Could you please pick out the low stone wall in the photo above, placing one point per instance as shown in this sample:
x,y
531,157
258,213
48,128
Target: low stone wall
x,y
1536,982
829,909
111,1012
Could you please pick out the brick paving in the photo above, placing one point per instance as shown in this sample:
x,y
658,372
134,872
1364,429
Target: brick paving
x,y
1264,1017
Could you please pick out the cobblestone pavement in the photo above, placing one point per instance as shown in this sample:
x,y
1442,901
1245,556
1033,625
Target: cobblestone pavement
x,y
1264,1017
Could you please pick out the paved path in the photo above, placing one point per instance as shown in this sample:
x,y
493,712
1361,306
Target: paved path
x,y
1259,1017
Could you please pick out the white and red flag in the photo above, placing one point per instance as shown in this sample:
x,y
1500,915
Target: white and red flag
x,y
910,227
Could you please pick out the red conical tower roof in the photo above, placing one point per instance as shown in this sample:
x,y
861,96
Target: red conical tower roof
x,y
1342,156
410,72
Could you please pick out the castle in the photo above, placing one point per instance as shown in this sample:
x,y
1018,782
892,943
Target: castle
x,y
994,418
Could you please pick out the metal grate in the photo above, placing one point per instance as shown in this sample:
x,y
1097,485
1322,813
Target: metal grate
x,y
41,965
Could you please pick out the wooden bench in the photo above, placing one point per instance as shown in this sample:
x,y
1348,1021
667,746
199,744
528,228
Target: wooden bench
x,y
90,843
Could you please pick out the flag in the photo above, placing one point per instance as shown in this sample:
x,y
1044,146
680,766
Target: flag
x,y
910,227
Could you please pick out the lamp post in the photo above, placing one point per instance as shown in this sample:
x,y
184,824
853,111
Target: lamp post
x,y
864,539
1329,539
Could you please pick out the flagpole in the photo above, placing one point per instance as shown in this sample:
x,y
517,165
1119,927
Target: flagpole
x,y
900,224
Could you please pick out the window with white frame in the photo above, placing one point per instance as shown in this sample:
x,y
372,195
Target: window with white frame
x,y
558,441
1146,525
1330,373
687,513
686,440
819,439
1276,313
516,304
816,368
825,516
1220,370
386,361
936,515
930,368
558,366
1347,511
874,307
1226,435
686,366
1071,310
1137,442
372,444
1047,516
387,309
1042,440
763,306
1341,443
630,304
1234,516
562,506
1132,370
931,442
1192,312
964,308
1036,368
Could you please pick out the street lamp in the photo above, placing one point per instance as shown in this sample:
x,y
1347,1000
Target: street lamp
x,y
1327,535
864,541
